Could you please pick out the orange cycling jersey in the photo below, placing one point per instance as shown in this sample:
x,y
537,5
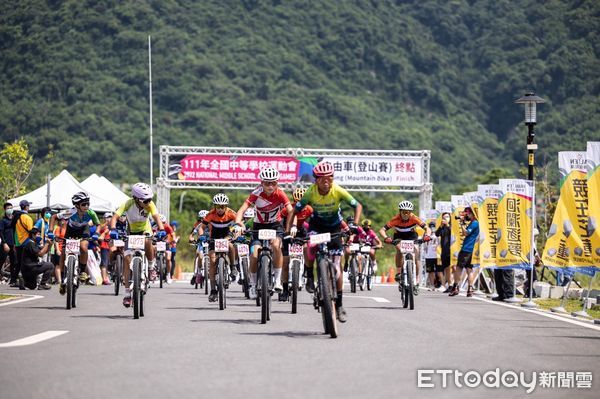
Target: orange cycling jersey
x,y
404,229
301,216
219,225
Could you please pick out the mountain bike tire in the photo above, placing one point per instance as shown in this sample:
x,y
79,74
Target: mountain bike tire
x,y
328,306
410,286
137,267
264,290
221,282
295,285
353,274
70,282
206,263
117,273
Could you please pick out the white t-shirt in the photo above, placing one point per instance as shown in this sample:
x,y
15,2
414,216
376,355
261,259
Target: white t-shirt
x,y
431,248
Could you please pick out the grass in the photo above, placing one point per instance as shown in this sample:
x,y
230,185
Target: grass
x,y
571,305
3,296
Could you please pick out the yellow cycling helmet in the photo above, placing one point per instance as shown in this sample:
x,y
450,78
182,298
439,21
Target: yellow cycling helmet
x,y
366,223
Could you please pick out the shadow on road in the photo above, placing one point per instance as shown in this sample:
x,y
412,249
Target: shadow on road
x,y
231,321
48,307
98,316
290,334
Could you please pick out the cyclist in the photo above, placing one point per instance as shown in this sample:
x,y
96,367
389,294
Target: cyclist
x,y
297,221
370,238
220,220
138,210
170,233
325,197
268,201
404,225
201,215
174,240
355,231
80,219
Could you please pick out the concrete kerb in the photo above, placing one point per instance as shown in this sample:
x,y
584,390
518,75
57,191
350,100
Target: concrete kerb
x,y
18,298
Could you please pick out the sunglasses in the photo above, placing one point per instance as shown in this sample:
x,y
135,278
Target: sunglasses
x,y
84,204
269,183
220,206
146,201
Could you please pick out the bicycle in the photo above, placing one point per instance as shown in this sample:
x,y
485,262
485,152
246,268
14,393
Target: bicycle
x,y
265,276
325,294
71,273
368,272
355,250
222,275
296,253
161,260
139,273
243,252
117,272
406,282
201,265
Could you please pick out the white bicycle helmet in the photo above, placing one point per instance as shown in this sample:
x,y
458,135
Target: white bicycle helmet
x,y
268,174
142,191
220,199
249,213
108,215
202,214
80,197
405,206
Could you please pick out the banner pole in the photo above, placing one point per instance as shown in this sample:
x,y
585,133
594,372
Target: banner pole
x,y
582,312
530,303
561,308
479,274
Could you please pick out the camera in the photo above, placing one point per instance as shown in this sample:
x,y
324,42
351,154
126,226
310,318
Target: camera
x,y
458,217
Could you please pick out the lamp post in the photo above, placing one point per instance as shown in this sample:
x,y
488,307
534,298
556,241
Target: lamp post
x,y
530,100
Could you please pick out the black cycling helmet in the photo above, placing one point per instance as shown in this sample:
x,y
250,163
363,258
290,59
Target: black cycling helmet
x,y
80,197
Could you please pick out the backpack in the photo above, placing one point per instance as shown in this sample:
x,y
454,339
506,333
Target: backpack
x,y
16,217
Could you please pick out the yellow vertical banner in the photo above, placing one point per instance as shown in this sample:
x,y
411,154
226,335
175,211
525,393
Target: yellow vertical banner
x,y
489,195
472,198
568,244
514,223
593,186
458,205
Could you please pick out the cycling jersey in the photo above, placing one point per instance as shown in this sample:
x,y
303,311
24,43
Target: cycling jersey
x,y
268,207
404,229
326,208
138,217
301,216
368,237
79,226
219,225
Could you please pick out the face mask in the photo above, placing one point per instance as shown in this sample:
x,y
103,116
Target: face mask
x,y
38,240
9,212
446,218
47,215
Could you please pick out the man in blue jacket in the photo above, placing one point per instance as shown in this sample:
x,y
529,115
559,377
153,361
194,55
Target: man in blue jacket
x,y
469,228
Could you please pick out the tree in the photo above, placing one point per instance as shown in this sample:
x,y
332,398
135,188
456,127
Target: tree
x,y
15,167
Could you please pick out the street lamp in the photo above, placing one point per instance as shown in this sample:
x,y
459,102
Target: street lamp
x,y
530,100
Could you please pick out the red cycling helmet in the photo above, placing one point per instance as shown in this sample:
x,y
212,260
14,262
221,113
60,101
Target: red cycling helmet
x,y
323,168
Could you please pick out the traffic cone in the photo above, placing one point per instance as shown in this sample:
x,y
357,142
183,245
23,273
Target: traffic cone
x,y
178,274
383,278
391,275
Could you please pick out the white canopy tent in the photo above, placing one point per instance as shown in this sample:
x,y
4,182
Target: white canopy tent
x,y
102,187
62,188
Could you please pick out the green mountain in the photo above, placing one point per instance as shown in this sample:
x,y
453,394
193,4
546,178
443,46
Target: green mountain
x,y
440,75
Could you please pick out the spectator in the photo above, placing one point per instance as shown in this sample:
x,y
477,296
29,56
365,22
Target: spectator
x,y
431,265
43,223
59,232
444,233
104,238
31,267
469,228
22,224
8,242
174,241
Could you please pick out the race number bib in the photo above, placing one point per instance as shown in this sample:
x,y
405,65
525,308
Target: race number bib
x,y
137,242
161,246
296,250
119,243
365,249
243,250
222,245
317,239
407,246
267,234
354,247
73,247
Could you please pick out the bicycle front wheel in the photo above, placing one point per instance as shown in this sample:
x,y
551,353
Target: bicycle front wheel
x,y
206,279
160,260
353,274
246,280
410,286
328,306
295,284
264,289
137,269
117,273
369,275
221,282
70,272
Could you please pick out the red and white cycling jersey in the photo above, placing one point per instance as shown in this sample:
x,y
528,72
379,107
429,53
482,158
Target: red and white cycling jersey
x,y
268,208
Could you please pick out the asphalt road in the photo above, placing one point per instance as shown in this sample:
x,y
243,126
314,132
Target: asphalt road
x,y
186,347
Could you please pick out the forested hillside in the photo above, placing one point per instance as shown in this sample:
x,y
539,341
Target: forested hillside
x,y
440,75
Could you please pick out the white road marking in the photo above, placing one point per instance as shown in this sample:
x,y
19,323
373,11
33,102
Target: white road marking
x,y
34,339
549,315
12,302
375,298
